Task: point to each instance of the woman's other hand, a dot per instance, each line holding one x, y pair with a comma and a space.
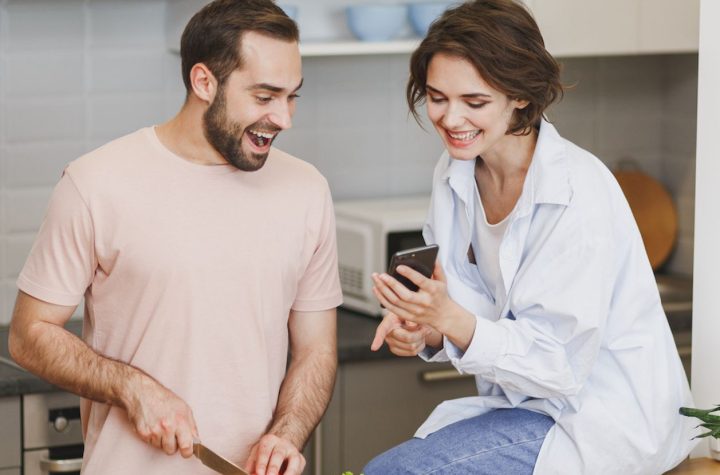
404, 338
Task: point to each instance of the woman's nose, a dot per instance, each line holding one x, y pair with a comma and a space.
453, 117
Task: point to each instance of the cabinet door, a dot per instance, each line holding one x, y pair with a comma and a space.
669, 25
10, 432
585, 28
384, 402
10, 471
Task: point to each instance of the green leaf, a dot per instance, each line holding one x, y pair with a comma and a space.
702, 414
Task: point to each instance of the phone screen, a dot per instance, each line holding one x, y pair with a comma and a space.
422, 259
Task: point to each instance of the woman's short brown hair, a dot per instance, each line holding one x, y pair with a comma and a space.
213, 35
501, 39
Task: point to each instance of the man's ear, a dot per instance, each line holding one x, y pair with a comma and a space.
203, 83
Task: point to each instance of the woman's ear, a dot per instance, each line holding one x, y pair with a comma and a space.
203, 83
520, 104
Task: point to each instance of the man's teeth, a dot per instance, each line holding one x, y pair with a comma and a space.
261, 138
265, 135
465, 135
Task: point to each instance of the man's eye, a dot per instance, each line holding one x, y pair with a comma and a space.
292, 97
263, 99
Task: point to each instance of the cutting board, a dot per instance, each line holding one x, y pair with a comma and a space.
654, 212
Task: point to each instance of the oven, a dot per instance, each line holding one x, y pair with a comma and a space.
52, 434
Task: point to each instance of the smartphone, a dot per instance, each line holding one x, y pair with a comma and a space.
422, 259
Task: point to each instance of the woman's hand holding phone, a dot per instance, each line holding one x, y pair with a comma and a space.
430, 306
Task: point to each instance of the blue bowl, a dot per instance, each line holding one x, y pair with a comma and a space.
290, 10
423, 14
376, 22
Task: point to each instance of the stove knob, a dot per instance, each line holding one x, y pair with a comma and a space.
60, 424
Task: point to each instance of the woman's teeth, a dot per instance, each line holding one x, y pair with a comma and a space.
465, 136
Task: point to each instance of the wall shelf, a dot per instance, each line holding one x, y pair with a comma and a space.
352, 48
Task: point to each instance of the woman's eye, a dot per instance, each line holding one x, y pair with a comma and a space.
436, 99
477, 105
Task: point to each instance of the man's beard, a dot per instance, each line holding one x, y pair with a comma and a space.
226, 136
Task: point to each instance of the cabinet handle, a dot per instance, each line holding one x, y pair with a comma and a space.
61, 466
317, 449
677, 307
443, 375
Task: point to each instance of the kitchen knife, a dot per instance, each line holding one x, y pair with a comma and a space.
215, 461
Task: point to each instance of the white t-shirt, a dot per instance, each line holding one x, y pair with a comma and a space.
486, 248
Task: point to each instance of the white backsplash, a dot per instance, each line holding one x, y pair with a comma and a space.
75, 74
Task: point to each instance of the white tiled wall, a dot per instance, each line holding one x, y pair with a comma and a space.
76, 73
73, 74
643, 108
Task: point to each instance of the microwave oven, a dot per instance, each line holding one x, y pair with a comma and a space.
369, 232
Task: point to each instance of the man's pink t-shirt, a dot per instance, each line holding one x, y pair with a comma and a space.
189, 272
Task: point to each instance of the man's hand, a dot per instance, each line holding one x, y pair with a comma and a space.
160, 417
39, 343
273, 455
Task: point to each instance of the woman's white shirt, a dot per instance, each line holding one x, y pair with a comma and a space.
578, 331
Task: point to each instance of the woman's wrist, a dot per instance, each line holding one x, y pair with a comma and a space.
458, 326
433, 339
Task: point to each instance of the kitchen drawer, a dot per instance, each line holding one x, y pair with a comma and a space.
379, 404
10, 471
9, 432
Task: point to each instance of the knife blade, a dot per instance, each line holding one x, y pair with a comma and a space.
216, 462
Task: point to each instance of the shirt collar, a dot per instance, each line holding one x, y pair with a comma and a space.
548, 176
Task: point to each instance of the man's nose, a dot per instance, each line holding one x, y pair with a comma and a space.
282, 115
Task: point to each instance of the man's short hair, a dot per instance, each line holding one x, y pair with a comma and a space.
213, 35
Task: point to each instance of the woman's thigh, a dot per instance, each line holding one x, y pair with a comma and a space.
503, 441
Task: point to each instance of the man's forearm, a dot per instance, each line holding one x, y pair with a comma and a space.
64, 360
304, 395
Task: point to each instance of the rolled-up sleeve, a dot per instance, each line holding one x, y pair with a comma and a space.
547, 345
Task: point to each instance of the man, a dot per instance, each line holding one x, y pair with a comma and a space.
203, 255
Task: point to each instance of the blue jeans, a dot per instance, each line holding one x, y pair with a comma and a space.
503, 441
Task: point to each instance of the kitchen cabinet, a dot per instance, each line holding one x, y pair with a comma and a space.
617, 27
669, 26
10, 435
378, 404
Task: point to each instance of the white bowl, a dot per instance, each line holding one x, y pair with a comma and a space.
290, 10
423, 14
373, 22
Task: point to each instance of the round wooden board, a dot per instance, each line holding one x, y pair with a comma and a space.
654, 213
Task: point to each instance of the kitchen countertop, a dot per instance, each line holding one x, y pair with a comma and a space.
355, 332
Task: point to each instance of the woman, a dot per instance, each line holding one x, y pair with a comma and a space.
543, 289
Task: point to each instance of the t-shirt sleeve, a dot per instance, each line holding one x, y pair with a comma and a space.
319, 287
62, 261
